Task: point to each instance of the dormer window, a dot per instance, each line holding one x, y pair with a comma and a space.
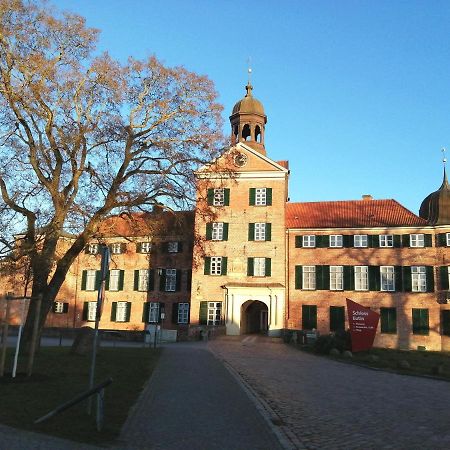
92, 249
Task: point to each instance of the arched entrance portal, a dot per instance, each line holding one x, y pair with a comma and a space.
254, 317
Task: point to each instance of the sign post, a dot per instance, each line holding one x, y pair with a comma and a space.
363, 326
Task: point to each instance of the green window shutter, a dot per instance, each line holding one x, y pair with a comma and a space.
162, 280
203, 319
207, 270
210, 197
347, 241
224, 265
175, 313
209, 231
85, 310
337, 318
136, 280
397, 240
251, 231
323, 277
98, 279
268, 231
107, 280
251, 196
86, 250
139, 247
123, 247
54, 307
430, 278
128, 312
443, 272
145, 312
225, 231
309, 317
269, 196
319, 277
388, 320
299, 241
268, 267
405, 240
298, 277
407, 279
349, 278
83, 280
373, 240
151, 280
226, 197
441, 240
180, 247
65, 307
121, 278
420, 323
374, 278
162, 309
189, 280
178, 280
113, 311
250, 267
446, 322
399, 279
427, 240
322, 241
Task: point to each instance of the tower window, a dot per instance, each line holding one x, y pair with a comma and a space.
257, 133
246, 135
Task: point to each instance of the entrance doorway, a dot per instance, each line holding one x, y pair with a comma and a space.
254, 317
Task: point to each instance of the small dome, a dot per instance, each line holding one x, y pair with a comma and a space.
436, 206
249, 104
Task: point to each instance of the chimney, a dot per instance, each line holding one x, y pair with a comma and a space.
367, 197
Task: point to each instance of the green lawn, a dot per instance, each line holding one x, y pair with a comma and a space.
59, 376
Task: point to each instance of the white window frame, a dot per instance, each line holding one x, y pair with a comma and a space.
59, 307
309, 240
121, 311
418, 279
171, 280
172, 247
91, 275
336, 241
215, 265
114, 277
214, 313
153, 312
260, 231
387, 278
417, 240
447, 239
219, 197
116, 248
143, 280
146, 247
217, 231
386, 240
309, 278
183, 313
91, 311
259, 267
361, 278
360, 240
93, 249
336, 278
260, 196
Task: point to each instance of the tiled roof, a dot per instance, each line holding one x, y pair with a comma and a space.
284, 164
350, 214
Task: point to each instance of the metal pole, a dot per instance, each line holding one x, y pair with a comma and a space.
5, 339
34, 336
16, 355
101, 290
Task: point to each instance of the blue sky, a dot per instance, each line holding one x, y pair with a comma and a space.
357, 93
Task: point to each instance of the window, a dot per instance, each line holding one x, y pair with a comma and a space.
217, 231
122, 312
336, 240
360, 240
387, 278
216, 265
337, 318
153, 312
447, 239
90, 280
361, 278
92, 249
309, 317
260, 231
116, 248
446, 322
416, 240
114, 280
260, 196
419, 278
309, 277
388, 318
144, 247
387, 240
60, 307
219, 197
91, 311
183, 313
173, 247
214, 313
171, 280
420, 323
336, 278
143, 280
309, 240
259, 267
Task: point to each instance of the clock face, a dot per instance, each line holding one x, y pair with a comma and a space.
240, 160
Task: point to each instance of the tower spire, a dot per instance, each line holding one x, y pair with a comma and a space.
444, 162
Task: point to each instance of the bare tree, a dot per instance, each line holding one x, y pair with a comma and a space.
85, 136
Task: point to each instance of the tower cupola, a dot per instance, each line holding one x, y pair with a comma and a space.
436, 206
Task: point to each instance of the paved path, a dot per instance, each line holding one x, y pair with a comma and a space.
193, 402
331, 405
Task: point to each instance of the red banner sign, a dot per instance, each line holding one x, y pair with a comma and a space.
363, 326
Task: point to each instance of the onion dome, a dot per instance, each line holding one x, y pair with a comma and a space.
249, 104
436, 207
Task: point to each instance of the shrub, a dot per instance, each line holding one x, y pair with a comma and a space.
339, 339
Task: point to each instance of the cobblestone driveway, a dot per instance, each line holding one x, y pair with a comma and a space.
330, 405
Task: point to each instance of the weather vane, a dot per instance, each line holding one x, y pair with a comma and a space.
249, 70
444, 159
